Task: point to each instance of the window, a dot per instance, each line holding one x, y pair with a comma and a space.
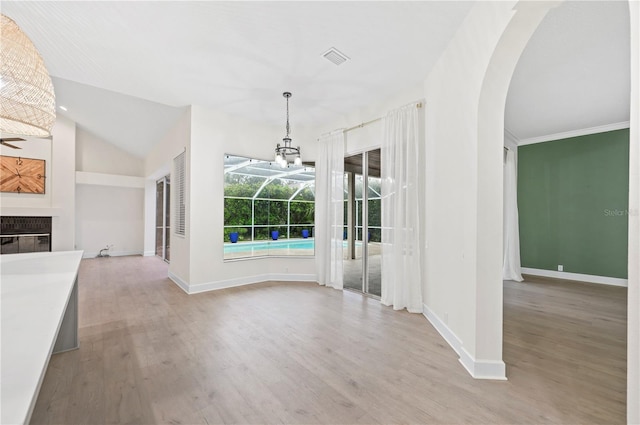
268, 210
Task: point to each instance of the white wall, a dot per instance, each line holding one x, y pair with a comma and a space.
369, 137
633, 295
63, 194
95, 155
490, 172
159, 163
178, 138
109, 198
108, 215
465, 97
453, 89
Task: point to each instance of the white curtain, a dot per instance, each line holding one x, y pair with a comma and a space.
511, 233
401, 277
329, 209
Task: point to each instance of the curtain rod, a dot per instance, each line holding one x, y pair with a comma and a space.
418, 105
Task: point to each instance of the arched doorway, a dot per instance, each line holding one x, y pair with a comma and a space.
499, 72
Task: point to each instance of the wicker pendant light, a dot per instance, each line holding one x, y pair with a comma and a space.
27, 99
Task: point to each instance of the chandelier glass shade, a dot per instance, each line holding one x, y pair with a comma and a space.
27, 98
285, 149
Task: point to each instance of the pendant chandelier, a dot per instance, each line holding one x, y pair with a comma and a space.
287, 150
27, 99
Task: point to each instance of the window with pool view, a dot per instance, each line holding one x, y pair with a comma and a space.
268, 209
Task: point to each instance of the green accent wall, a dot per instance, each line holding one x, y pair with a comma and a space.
573, 200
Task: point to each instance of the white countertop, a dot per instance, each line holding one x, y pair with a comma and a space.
35, 289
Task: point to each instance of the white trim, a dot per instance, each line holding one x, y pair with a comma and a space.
229, 283
603, 280
466, 361
30, 212
483, 369
479, 369
101, 179
278, 277
179, 282
444, 330
511, 138
360, 150
254, 257
149, 254
574, 133
245, 280
94, 254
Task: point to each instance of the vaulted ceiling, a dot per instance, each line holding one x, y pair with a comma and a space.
125, 70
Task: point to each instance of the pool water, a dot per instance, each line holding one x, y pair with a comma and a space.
305, 244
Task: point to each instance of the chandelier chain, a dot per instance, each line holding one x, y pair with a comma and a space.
288, 117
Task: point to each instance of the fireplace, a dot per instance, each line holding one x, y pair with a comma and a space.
25, 234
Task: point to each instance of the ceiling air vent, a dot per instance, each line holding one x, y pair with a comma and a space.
334, 56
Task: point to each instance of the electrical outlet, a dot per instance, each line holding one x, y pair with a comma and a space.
560, 268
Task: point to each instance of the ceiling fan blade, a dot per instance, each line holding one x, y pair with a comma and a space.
2, 142
12, 139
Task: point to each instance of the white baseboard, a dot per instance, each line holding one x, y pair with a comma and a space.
444, 330
149, 254
603, 280
94, 254
483, 369
246, 280
479, 369
223, 284
281, 277
179, 282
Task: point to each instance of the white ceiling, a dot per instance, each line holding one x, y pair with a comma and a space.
125, 69
574, 73
131, 123
234, 56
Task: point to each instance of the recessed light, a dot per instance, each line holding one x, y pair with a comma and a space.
64, 108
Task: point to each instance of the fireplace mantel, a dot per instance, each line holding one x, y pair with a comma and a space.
30, 212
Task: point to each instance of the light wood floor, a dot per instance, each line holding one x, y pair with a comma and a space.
301, 353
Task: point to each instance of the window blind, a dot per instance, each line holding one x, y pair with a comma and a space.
179, 182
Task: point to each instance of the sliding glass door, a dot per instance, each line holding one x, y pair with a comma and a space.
163, 202
353, 261
362, 232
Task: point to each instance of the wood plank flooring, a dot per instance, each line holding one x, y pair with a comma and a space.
300, 353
